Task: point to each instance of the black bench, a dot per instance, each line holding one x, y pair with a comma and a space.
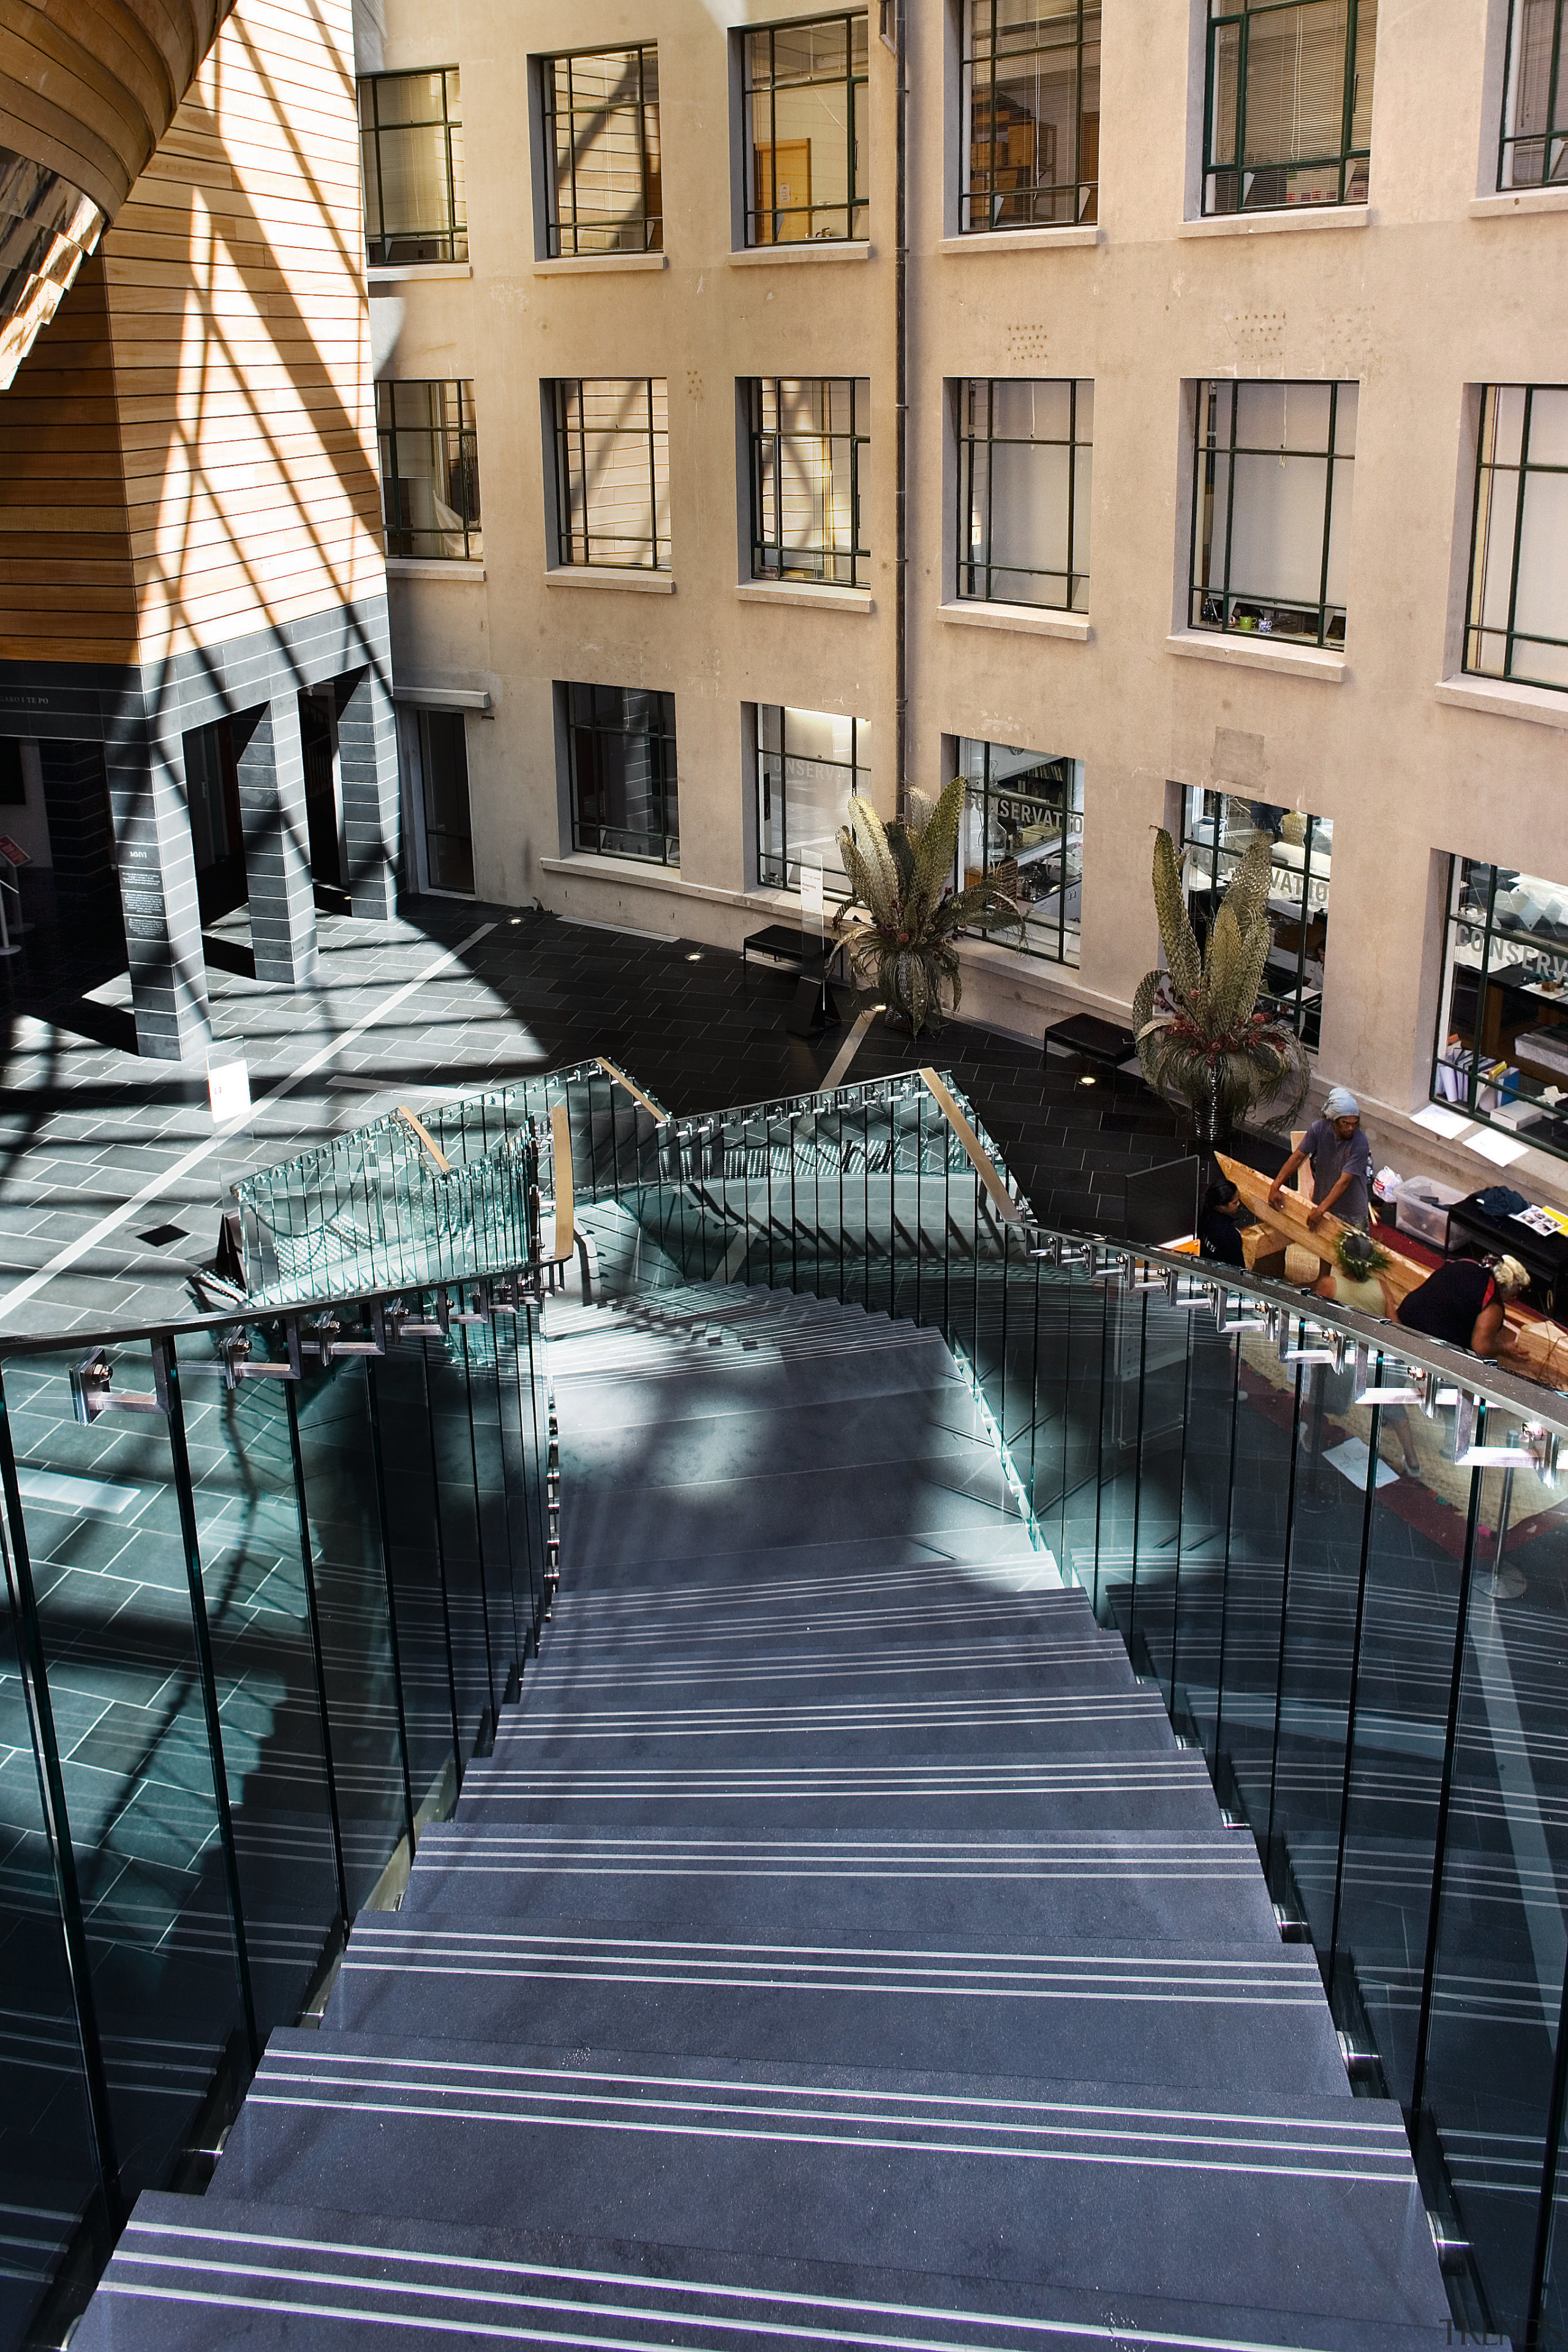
816, 1005
1091, 1039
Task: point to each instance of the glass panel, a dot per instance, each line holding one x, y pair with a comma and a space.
806, 130
623, 771
478, 1685
1240, 1735
1535, 106
418, 1577
429, 469
607, 187
114, 1610
612, 437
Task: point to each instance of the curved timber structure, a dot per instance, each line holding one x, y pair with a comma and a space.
89, 88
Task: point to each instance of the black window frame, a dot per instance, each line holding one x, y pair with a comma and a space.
856, 207
771, 559
1353, 163
1209, 865
1064, 794
566, 537
1077, 578
466, 473
1256, 613
590, 835
1487, 468
651, 220
774, 874
1476, 1071
454, 238
1077, 190
1554, 133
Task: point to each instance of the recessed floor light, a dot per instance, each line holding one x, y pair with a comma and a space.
695, 957
1085, 1080
515, 921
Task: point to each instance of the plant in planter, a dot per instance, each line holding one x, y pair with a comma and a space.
902, 918
1201, 1036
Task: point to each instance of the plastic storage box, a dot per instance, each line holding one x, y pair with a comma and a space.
1422, 1206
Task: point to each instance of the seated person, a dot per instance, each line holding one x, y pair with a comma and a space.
1219, 1236
1463, 1302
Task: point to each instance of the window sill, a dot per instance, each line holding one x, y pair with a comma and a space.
605, 576
422, 567
1497, 697
594, 265
1243, 652
1023, 619
1291, 216
1020, 240
399, 273
764, 256
798, 592
1510, 201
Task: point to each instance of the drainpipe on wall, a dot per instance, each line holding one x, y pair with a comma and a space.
897, 39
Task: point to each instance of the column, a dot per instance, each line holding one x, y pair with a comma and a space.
82, 831
157, 871
367, 768
272, 768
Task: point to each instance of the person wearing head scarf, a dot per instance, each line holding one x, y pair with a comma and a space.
1342, 1163
1463, 1302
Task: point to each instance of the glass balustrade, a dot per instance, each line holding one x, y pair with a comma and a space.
262, 1606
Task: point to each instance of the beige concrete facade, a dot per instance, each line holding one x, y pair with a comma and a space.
1426, 293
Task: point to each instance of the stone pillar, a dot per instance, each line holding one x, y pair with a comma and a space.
272, 768
367, 766
157, 872
81, 830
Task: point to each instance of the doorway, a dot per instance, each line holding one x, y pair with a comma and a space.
324, 800
217, 836
446, 831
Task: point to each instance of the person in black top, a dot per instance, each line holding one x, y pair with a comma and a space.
1219, 1236
1463, 1302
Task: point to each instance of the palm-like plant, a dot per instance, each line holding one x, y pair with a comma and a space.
1200, 1033
903, 917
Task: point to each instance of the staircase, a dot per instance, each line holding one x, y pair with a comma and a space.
836, 1947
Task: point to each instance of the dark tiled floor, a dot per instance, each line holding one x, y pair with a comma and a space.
85, 1126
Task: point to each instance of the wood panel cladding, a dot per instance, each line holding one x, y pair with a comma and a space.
87, 87
211, 372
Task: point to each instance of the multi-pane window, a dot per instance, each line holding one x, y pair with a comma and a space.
429, 468
1517, 625
1502, 1050
808, 763
1217, 829
1025, 451
612, 471
805, 131
1023, 830
411, 151
807, 436
601, 126
1030, 137
1288, 117
1271, 507
621, 749
1534, 147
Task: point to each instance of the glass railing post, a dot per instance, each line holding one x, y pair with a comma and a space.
394, 1639
1556, 2114
318, 1659
1291, 1487
452, 1692
164, 1356
57, 1820
1224, 1566
1368, 1507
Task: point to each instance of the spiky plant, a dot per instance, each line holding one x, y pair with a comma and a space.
902, 918
1200, 1033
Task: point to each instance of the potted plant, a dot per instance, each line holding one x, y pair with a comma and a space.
903, 915
1200, 1033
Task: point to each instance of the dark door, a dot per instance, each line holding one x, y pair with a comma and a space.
318, 741
212, 795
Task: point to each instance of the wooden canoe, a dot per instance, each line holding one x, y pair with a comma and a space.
1533, 1346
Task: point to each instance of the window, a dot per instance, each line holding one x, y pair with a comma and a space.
606, 191
1502, 1030
808, 763
1271, 509
805, 131
1288, 117
411, 149
1024, 491
1023, 827
612, 472
1517, 625
621, 746
1534, 149
1030, 142
807, 433
1217, 828
429, 469
443, 802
